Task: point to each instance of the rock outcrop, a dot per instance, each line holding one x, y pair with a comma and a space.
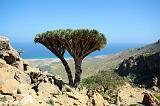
10, 55
144, 68
21, 85
150, 100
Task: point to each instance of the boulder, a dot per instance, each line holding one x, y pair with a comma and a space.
154, 88
48, 89
4, 43
2, 63
26, 89
28, 100
95, 99
10, 55
10, 86
99, 100
149, 99
22, 77
6, 73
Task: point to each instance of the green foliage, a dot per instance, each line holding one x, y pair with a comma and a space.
105, 79
158, 97
3, 98
79, 43
69, 34
51, 102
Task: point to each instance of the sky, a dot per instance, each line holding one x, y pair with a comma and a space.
122, 21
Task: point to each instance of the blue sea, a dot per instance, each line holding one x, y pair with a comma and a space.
38, 51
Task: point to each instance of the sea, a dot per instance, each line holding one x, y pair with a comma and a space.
38, 51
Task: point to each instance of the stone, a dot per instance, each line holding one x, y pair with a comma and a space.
26, 89
47, 88
154, 88
99, 100
9, 98
154, 81
4, 43
28, 100
6, 73
22, 77
149, 99
25, 65
95, 99
67, 88
2, 63
10, 86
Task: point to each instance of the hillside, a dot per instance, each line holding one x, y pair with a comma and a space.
92, 66
23, 85
103, 72
116, 61
138, 66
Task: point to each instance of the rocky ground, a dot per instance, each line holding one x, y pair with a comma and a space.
131, 95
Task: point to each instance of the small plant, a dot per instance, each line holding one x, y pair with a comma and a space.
135, 105
3, 99
51, 102
158, 97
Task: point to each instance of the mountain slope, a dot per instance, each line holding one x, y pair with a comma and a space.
92, 66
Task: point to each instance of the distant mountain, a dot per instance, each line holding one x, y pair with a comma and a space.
146, 50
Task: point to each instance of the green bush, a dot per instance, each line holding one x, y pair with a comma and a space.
51, 102
105, 79
158, 97
3, 98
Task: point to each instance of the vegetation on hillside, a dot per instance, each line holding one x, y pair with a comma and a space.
105, 80
144, 62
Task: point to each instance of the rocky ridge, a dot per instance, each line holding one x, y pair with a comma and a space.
143, 67
21, 85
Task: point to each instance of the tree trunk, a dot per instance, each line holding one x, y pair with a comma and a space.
68, 70
78, 72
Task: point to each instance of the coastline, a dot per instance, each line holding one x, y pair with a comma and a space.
47, 59
54, 60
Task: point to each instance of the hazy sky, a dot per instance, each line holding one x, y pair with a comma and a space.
122, 21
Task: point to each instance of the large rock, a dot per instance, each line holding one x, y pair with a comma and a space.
47, 89
10, 86
28, 100
4, 43
9, 54
150, 100
99, 100
25, 88
6, 72
95, 99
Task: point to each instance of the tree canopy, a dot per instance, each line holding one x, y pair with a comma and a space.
79, 42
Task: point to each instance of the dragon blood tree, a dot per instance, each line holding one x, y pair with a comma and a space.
79, 43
